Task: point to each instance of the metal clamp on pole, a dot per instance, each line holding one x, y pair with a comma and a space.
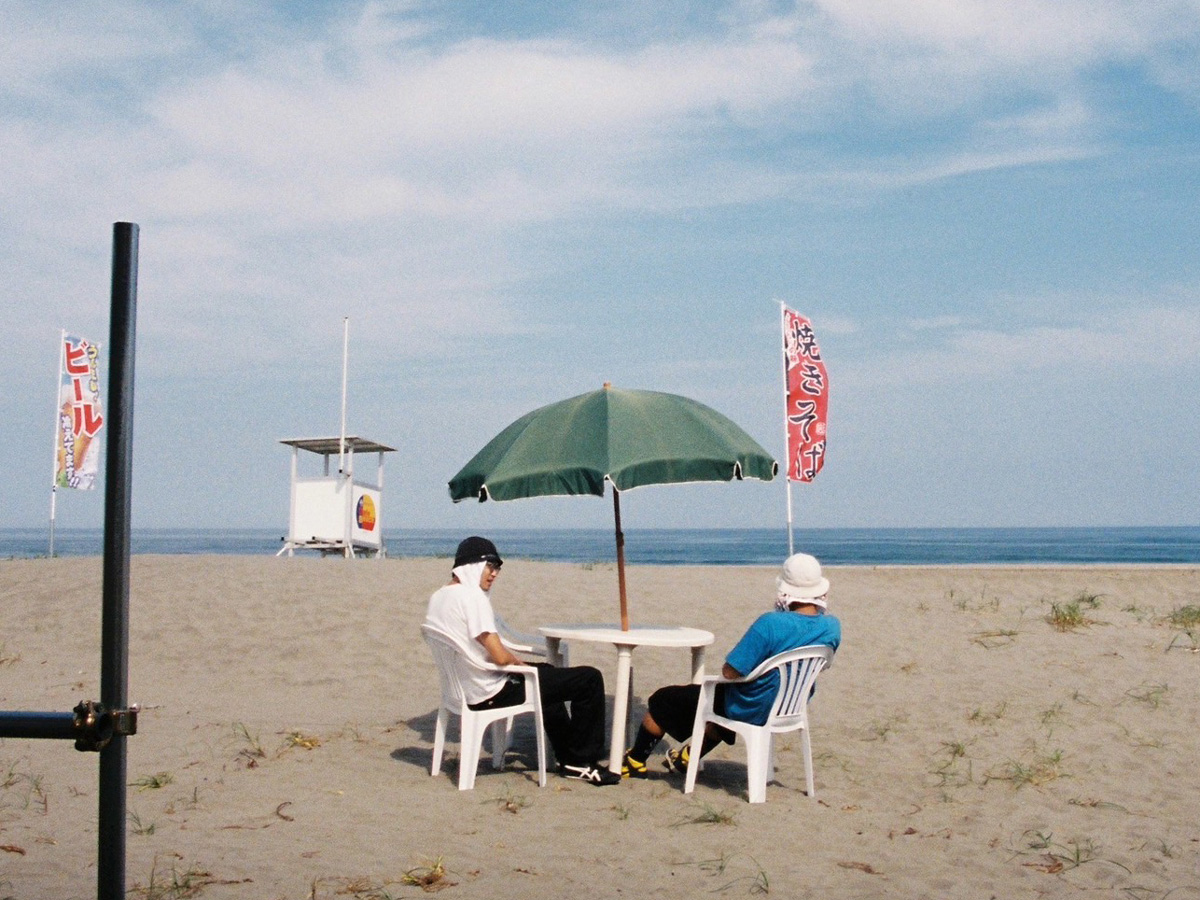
95, 725
125, 720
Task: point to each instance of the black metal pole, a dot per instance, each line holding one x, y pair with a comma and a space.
38, 725
114, 629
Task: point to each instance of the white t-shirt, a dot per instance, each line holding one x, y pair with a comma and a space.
466, 612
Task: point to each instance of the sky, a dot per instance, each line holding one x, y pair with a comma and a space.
989, 210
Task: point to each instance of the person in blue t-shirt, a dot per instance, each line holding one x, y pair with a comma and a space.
799, 619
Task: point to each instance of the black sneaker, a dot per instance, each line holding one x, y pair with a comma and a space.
676, 761
593, 774
633, 768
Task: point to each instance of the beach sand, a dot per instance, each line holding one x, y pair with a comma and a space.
964, 746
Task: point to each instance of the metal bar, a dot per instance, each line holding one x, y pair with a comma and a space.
50, 725
114, 629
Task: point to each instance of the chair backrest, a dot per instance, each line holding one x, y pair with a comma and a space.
798, 670
447, 655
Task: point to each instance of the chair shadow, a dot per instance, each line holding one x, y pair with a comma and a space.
523, 750
730, 776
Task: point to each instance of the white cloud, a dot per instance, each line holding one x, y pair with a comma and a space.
1141, 338
1010, 31
376, 115
517, 129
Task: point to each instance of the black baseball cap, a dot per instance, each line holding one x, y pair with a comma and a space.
477, 549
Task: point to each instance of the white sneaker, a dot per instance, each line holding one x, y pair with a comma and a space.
593, 774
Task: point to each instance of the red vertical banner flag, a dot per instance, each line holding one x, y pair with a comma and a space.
807, 397
76, 448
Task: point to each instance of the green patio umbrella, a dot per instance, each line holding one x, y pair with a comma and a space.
627, 438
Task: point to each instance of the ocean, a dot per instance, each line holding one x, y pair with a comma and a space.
677, 547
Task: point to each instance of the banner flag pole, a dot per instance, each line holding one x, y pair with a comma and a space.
805, 401
787, 440
62, 338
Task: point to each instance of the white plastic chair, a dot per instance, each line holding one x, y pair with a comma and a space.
798, 670
448, 653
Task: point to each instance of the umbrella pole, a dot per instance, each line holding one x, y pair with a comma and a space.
621, 559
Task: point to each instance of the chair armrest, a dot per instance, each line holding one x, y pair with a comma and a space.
524, 670
721, 679
518, 648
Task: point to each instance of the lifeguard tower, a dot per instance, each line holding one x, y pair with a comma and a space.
336, 512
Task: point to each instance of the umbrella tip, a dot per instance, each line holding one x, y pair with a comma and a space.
608, 385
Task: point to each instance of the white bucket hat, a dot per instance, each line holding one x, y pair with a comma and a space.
801, 580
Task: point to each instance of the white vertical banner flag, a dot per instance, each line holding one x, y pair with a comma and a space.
79, 413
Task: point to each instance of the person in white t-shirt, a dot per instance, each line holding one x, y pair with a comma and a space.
463, 609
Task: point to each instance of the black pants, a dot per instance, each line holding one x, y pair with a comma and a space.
577, 736
674, 709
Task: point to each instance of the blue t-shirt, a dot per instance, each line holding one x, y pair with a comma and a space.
772, 633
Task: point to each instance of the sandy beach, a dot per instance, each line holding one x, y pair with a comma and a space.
965, 745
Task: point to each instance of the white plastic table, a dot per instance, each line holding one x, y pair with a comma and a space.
695, 639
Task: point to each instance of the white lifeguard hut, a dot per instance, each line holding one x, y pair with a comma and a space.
336, 512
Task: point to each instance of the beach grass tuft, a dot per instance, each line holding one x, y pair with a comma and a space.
1187, 620
358, 889
1043, 768
428, 878
1052, 715
1191, 637
980, 716
510, 801
707, 814
880, 729
1150, 743
137, 826
757, 880
152, 782
962, 603
990, 640
176, 885
1184, 616
298, 739
250, 754
1097, 804
27, 785
947, 769
1054, 857
1071, 615
1150, 694
1066, 617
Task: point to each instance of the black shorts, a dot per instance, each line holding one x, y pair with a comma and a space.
674, 709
